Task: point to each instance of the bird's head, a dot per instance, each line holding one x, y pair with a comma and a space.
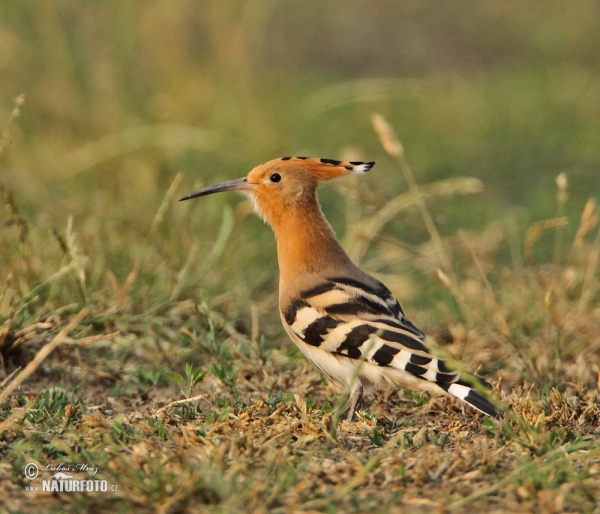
282, 184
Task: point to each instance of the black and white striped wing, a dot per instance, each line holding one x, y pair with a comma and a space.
353, 320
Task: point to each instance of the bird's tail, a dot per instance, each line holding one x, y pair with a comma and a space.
471, 390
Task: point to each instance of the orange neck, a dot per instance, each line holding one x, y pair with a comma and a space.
306, 243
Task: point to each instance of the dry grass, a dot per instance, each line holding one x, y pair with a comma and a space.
262, 431
129, 104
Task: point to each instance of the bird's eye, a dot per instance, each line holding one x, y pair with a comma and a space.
276, 177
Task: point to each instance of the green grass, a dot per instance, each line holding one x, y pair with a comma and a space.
177, 382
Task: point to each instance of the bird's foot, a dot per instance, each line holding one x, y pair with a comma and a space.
354, 399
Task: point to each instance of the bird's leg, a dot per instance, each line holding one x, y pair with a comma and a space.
355, 397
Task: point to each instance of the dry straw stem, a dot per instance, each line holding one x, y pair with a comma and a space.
474, 318
369, 229
514, 242
16, 112
71, 251
460, 300
176, 137
589, 219
536, 230
214, 254
255, 325
178, 402
9, 377
561, 197
588, 281
181, 276
392, 146
87, 341
363, 90
222, 238
16, 218
64, 270
42, 354
124, 291
163, 207
498, 316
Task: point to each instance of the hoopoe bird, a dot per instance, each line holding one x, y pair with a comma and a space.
347, 323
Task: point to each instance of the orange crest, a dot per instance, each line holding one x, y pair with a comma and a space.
321, 169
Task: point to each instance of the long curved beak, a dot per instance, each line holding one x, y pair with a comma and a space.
239, 184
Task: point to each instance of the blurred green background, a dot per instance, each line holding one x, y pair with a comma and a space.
121, 96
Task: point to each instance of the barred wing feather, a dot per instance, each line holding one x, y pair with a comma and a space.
355, 320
